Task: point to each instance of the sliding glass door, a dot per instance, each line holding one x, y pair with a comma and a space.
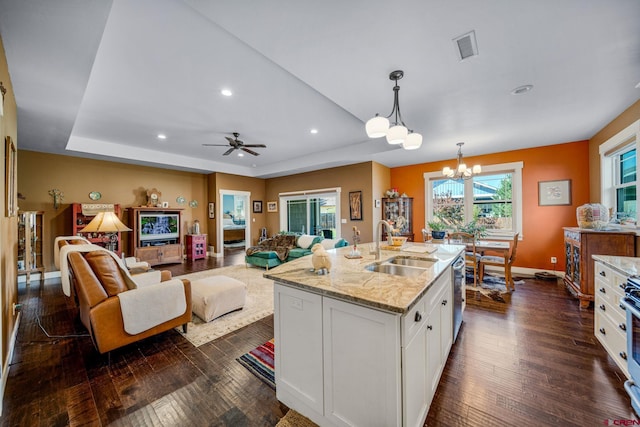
311, 214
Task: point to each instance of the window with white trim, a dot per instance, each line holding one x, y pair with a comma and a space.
618, 172
493, 199
311, 213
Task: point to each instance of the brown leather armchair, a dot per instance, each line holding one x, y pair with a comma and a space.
98, 279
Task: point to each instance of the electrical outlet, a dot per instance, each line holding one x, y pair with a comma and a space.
554, 260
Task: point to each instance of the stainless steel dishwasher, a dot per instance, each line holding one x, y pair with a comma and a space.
458, 294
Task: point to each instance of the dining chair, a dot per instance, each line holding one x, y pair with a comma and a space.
471, 257
505, 262
425, 235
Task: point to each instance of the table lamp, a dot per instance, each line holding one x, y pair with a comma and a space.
107, 223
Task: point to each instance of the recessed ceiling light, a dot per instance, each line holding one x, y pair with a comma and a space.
226, 92
314, 131
521, 89
162, 136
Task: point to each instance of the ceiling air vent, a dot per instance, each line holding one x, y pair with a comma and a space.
466, 45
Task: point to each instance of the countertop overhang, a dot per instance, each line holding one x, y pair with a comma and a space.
350, 281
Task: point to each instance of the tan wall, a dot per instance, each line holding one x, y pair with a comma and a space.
627, 117
358, 177
256, 186
8, 225
117, 182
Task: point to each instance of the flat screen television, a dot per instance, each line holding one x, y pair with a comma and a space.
156, 226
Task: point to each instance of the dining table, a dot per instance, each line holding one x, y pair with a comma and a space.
499, 246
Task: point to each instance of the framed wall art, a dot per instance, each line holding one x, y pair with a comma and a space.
355, 205
272, 206
554, 193
257, 206
11, 207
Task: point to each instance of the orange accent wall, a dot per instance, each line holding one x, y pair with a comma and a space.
542, 235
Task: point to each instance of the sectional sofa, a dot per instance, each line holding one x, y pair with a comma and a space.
285, 247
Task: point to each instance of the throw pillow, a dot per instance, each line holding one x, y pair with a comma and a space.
306, 240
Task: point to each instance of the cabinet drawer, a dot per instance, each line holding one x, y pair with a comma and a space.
413, 321
608, 277
615, 314
613, 340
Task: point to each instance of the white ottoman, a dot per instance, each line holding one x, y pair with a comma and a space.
217, 295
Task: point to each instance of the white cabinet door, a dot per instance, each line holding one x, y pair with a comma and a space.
434, 351
414, 379
362, 365
298, 348
446, 323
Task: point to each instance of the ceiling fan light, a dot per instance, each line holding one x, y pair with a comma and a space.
413, 141
397, 134
377, 127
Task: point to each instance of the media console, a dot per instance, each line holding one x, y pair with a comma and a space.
156, 235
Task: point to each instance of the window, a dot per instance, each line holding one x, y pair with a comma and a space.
493, 199
618, 173
311, 213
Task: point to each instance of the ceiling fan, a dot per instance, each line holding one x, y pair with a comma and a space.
236, 144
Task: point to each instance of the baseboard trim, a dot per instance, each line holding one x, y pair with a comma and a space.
7, 365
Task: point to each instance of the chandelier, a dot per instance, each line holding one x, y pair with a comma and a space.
398, 133
462, 171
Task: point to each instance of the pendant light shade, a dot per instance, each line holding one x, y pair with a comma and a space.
397, 134
413, 141
395, 131
377, 127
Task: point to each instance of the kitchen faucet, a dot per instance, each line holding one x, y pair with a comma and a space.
379, 236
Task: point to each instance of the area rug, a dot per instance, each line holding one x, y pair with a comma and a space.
294, 419
259, 304
492, 289
260, 362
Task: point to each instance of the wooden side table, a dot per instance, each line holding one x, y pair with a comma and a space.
196, 246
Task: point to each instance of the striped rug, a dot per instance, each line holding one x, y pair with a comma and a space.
259, 362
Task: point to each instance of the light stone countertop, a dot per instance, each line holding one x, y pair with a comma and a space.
629, 266
349, 281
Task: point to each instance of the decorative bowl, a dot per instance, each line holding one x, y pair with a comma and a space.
398, 240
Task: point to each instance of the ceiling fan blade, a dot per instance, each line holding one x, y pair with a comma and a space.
216, 145
229, 151
231, 140
256, 145
249, 151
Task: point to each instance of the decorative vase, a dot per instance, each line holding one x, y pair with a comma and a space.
592, 215
438, 235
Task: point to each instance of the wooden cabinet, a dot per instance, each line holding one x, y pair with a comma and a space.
324, 367
579, 246
399, 212
156, 235
83, 213
30, 250
196, 246
610, 319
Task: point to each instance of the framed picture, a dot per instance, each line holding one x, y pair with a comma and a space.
11, 207
257, 206
212, 210
554, 193
165, 204
272, 206
355, 205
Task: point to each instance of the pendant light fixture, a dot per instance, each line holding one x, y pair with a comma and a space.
396, 131
461, 171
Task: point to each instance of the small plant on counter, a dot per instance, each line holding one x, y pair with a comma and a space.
437, 226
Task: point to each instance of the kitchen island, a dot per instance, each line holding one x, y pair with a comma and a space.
363, 348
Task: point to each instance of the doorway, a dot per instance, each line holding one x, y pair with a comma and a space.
234, 222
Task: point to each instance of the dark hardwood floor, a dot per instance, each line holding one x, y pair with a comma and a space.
537, 364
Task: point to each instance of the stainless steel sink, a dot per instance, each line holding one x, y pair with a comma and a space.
395, 269
413, 261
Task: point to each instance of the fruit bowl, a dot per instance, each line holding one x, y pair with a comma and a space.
398, 240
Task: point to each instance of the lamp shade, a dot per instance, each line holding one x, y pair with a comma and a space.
377, 127
477, 169
413, 141
397, 134
105, 222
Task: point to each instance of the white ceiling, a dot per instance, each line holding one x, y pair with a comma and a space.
101, 79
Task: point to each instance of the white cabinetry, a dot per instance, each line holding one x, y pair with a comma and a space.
343, 364
609, 320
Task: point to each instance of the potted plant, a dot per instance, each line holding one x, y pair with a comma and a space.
438, 229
